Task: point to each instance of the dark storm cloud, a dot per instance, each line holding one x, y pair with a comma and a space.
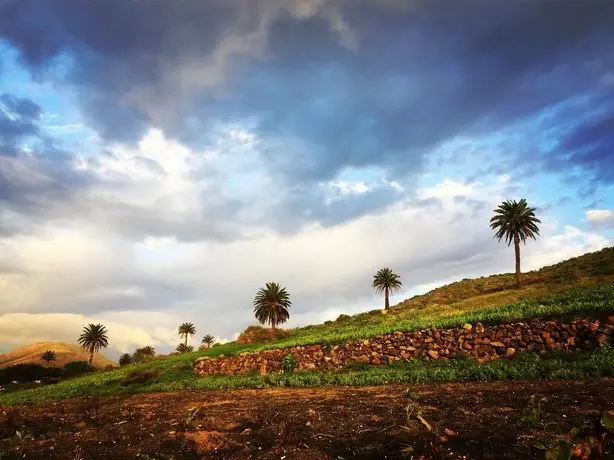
351, 84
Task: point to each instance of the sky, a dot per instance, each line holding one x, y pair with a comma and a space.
160, 161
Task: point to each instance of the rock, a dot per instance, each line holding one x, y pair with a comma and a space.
510, 352
497, 344
433, 354
467, 327
467, 346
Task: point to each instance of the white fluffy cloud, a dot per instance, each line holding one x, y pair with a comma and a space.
600, 218
79, 270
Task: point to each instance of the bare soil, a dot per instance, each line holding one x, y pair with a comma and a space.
468, 420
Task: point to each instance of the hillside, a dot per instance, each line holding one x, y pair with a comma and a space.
65, 353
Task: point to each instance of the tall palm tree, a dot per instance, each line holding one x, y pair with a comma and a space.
48, 356
185, 330
515, 221
208, 340
271, 304
93, 338
385, 281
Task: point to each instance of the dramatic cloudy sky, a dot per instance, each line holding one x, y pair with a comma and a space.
161, 160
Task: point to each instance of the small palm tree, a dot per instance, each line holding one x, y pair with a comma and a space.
515, 221
385, 281
143, 352
185, 330
48, 356
271, 304
125, 359
93, 338
208, 340
183, 348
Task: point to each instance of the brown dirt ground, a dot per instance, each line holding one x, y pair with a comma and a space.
486, 419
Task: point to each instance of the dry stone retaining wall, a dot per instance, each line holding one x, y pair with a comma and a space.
477, 341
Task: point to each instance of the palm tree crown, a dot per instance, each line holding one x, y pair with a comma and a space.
515, 221
208, 340
385, 281
125, 359
48, 356
93, 338
185, 330
271, 304
515, 218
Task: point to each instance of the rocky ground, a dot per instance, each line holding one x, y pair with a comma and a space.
461, 420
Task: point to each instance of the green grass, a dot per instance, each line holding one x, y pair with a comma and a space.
527, 366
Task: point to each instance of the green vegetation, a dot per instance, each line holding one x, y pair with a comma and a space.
183, 348
125, 359
48, 356
185, 330
583, 285
172, 374
93, 338
143, 354
271, 305
385, 281
515, 221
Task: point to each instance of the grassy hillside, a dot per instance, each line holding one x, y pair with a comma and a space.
581, 285
64, 352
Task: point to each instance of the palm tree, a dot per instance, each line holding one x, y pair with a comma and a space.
125, 359
93, 338
515, 221
48, 356
385, 281
183, 348
271, 304
208, 340
186, 329
143, 352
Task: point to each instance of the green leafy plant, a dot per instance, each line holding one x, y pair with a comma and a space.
288, 363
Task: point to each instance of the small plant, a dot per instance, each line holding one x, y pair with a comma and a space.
532, 414
288, 363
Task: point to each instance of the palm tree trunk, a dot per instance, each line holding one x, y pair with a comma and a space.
273, 324
91, 357
186, 340
517, 253
387, 304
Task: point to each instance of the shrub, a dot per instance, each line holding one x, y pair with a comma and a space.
259, 334
76, 368
342, 318
183, 348
143, 354
125, 359
141, 376
27, 373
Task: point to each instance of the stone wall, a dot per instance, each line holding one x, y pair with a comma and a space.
477, 341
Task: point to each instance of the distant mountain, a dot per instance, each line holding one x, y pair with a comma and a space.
64, 352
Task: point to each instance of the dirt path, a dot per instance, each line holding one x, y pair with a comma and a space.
485, 420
